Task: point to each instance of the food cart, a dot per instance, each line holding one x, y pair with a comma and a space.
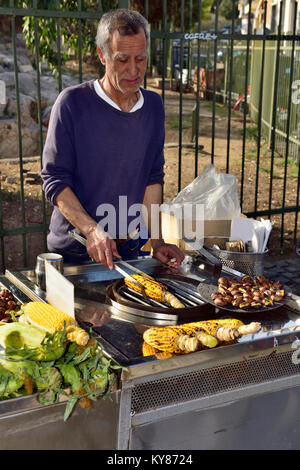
239, 396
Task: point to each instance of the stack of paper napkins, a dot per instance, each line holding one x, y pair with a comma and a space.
255, 231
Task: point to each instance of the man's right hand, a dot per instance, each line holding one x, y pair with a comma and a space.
101, 247
99, 244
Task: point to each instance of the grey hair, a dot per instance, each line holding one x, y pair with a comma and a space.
127, 22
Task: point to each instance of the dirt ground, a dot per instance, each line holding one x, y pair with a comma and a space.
227, 155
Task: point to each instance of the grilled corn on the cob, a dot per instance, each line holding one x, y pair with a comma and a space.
151, 351
173, 340
162, 339
154, 290
148, 350
210, 326
226, 329
192, 336
50, 319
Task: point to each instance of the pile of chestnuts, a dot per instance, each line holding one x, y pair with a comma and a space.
248, 293
7, 304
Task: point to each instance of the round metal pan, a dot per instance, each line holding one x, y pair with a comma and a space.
135, 309
203, 310
206, 289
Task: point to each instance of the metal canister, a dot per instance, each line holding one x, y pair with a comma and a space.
55, 259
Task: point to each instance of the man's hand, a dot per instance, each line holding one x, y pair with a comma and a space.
165, 252
101, 247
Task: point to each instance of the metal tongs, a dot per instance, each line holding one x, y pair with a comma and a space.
124, 273
213, 260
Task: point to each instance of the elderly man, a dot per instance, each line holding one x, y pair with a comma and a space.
105, 142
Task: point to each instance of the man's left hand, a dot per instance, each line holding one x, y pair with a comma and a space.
165, 252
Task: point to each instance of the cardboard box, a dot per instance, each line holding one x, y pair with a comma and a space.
211, 231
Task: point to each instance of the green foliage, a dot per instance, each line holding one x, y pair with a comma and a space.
55, 368
9, 383
88, 372
44, 31
31, 343
228, 7
48, 379
175, 125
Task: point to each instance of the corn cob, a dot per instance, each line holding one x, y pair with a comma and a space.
163, 355
151, 351
148, 350
154, 290
50, 318
192, 336
162, 339
227, 329
213, 324
185, 329
172, 340
209, 326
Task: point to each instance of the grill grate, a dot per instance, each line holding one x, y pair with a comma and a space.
203, 383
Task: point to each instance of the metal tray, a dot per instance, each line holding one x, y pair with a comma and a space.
207, 288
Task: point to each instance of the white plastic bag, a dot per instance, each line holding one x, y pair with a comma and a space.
218, 193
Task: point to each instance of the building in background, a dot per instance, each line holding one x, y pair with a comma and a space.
272, 16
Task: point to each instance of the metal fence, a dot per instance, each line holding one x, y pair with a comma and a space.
287, 67
251, 87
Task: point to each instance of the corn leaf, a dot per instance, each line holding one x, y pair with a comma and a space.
70, 406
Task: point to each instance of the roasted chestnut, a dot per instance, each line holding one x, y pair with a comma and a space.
220, 301
247, 292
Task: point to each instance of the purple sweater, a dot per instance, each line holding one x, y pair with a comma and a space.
100, 153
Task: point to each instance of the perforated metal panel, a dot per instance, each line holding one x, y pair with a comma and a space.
203, 383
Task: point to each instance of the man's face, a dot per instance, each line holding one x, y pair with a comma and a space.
126, 65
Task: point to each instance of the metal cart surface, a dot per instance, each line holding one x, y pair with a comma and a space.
239, 396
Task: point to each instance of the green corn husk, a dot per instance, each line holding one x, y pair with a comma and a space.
42, 378
18, 335
9, 382
48, 379
71, 376
23, 341
51, 366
